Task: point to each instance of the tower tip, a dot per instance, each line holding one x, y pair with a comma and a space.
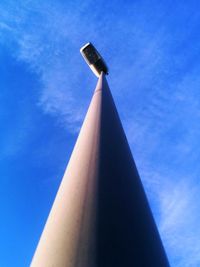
94, 59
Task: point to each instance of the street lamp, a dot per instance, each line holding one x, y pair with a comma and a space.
94, 59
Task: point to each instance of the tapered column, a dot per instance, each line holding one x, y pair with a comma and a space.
101, 216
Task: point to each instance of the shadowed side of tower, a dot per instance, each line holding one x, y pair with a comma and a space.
101, 216
126, 231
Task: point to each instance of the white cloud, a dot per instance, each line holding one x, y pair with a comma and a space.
178, 224
43, 38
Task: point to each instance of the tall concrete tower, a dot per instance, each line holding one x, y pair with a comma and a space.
101, 216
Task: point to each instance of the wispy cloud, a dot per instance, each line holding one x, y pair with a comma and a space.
43, 37
178, 224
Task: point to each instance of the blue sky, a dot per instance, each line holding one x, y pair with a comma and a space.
153, 51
